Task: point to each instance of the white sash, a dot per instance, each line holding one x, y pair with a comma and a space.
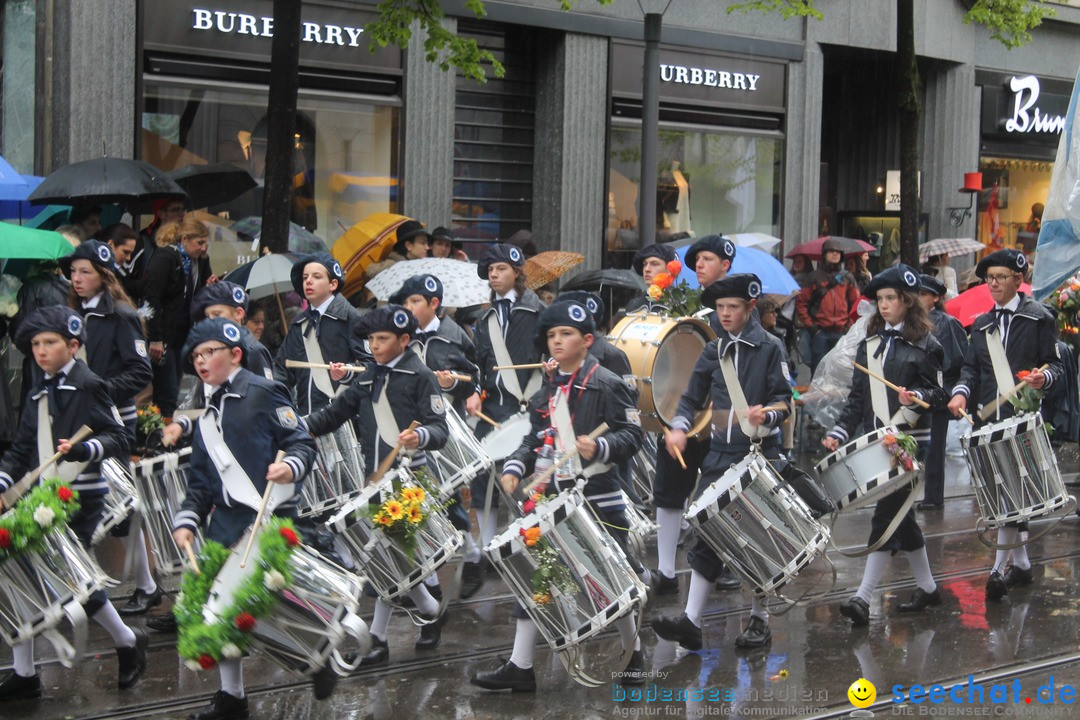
879, 399
235, 484
502, 356
1000, 363
67, 471
738, 398
319, 376
385, 421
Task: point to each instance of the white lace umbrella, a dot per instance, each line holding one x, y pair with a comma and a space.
462, 287
953, 246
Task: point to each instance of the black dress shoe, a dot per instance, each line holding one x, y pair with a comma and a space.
857, 610
132, 660
635, 673
728, 580
996, 587
223, 707
756, 634
379, 652
472, 579
141, 601
679, 630
924, 506
507, 676
1015, 576
324, 681
17, 687
921, 600
431, 634
661, 584
163, 623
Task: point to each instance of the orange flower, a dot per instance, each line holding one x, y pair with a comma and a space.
674, 267
889, 440
394, 509
655, 292
416, 515
541, 598
663, 280
1022, 374
384, 519
532, 536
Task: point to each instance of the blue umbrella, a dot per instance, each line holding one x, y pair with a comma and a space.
775, 279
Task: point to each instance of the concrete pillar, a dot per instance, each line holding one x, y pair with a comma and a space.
428, 164
571, 124
950, 128
802, 149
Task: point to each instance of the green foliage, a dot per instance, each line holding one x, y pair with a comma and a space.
1009, 21
786, 8
40, 512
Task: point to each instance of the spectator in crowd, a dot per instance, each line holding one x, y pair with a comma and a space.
87, 218
123, 240
134, 269
825, 306
856, 265
939, 267
412, 244
443, 245
72, 233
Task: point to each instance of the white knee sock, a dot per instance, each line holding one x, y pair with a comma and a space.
920, 566
667, 540
487, 522
627, 627
1020, 555
24, 659
425, 603
697, 597
343, 551
472, 550
380, 620
524, 644
1006, 536
232, 677
758, 609
876, 563
144, 579
432, 580
108, 618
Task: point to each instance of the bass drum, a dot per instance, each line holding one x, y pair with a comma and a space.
662, 352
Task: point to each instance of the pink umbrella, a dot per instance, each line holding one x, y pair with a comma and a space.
972, 303
812, 249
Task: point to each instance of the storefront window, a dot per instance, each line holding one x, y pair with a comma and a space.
709, 181
346, 150
19, 60
1015, 210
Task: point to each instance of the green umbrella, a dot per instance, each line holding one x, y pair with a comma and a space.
17, 242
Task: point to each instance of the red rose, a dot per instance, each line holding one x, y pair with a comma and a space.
206, 662
290, 537
5, 538
64, 493
528, 506
674, 267
245, 622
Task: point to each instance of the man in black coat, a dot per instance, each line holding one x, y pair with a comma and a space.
1027, 333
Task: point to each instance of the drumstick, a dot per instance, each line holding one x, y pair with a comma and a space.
389, 459
16, 491
921, 403
262, 511
992, 407
525, 366
573, 452
678, 453
459, 376
323, 366
192, 559
488, 420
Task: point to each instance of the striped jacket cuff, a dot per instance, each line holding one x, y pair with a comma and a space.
6, 481
425, 437
603, 450
839, 433
185, 425
186, 519
681, 423
515, 468
95, 448
962, 390
1049, 378
773, 418
297, 466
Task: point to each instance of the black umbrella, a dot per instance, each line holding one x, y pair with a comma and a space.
208, 185
105, 180
599, 279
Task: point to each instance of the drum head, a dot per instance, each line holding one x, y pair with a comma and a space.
504, 441
230, 578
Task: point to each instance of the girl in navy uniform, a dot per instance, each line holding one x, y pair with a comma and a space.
758, 362
254, 418
901, 335
595, 395
510, 325
445, 348
74, 396
115, 352
399, 379
1028, 334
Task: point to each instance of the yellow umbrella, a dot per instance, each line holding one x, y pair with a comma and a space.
549, 266
368, 241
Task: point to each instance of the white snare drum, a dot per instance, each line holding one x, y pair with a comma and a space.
122, 499
161, 483
337, 475
864, 471
461, 459
1014, 470
758, 525
643, 469
504, 441
602, 585
639, 528
391, 570
312, 616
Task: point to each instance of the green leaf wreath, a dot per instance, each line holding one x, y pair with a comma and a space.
45, 509
203, 645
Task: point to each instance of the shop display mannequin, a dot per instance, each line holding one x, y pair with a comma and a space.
673, 199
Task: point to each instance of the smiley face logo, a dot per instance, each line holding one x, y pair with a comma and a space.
862, 693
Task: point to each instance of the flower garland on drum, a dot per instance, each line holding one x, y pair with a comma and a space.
551, 572
148, 419
676, 294
404, 513
203, 645
903, 448
45, 509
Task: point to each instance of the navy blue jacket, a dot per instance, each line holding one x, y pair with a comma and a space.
451, 349
116, 351
953, 339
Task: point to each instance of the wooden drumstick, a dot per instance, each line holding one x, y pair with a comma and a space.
992, 407
678, 453
488, 420
321, 366
16, 491
192, 559
262, 511
458, 376
525, 366
921, 403
389, 459
571, 453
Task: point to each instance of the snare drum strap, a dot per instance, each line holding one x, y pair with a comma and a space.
319, 376
66, 471
738, 398
235, 483
879, 400
1000, 363
502, 356
384, 418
